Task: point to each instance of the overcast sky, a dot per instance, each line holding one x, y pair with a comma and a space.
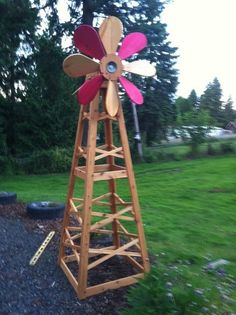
205, 33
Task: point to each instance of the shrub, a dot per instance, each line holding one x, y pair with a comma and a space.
6, 165
176, 289
151, 156
211, 150
227, 147
55, 160
193, 130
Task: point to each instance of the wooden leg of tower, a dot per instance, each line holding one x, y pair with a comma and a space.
111, 182
78, 141
88, 196
133, 189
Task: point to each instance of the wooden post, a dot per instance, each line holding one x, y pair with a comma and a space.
111, 182
75, 247
133, 189
75, 159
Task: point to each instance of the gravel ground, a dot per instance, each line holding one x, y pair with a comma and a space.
43, 288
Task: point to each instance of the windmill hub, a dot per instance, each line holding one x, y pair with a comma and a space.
111, 67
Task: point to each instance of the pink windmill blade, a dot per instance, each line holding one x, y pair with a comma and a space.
133, 92
89, 89
132, 44
87, 40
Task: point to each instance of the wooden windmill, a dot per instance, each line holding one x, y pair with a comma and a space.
91, 215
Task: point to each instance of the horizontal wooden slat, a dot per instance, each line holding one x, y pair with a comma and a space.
110, 175
103, 251
108, 215
96, 289
73, 228
99, 231
102, 172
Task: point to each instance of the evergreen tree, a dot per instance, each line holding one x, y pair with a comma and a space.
183, 105
18, 23
48, 116
211, 101
193, 99
229, 112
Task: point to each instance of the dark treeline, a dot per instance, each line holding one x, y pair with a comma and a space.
37, 110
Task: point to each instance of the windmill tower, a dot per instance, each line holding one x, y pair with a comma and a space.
92, 214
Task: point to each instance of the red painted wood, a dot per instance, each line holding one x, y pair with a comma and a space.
88, 42
133, 92
132, 43
89, 89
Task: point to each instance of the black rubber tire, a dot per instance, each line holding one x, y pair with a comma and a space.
45, 210
7, 198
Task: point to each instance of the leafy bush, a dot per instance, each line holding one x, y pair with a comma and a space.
6, 165
227, 147
55, 160
193, 128
176, 289
151, 156
211, 150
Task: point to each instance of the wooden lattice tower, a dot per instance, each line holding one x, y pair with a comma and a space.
91, 216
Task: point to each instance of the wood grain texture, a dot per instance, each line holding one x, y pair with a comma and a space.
78, 65
112, 99
110, 32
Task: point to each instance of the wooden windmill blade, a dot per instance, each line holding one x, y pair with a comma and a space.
77, 65
110, 32
107, 214
140, 67
112, 100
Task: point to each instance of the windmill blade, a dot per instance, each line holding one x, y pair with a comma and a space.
133, 92
132, 43
110, 32
141, 67
112, 98
88, 42
77, 65
89, 89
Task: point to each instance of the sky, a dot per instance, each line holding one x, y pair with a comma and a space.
204, 31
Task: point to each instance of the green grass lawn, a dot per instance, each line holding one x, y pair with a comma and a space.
188, 207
